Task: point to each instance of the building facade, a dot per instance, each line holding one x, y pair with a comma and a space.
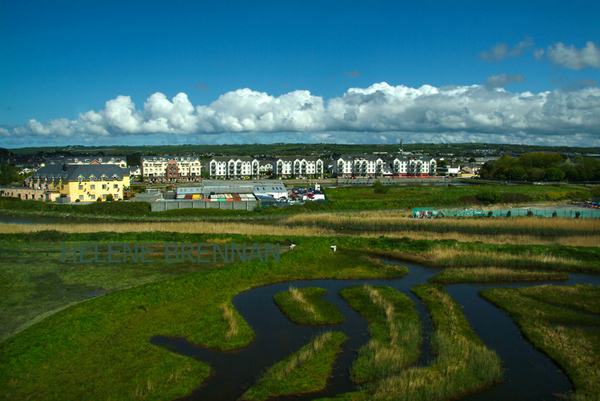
171, 168
298, 166
82, 183
233, 167
374, 166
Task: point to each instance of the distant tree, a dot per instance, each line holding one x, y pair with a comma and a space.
472, 160
517, 174
535, 174
9, 174
134, 159
554, 174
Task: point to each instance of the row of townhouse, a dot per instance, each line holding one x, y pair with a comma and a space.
223, 167
373, 166
190, 168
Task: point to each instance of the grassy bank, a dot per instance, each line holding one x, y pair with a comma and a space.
546, 316
394, 327
102, 347
463, 364
305, 306
304, 371
451, 254
493, 275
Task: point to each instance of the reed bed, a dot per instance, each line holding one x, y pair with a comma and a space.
180, 227
463, 364
396, 334
302, 372
582, 232
546, 317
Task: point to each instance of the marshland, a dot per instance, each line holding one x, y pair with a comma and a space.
129, 331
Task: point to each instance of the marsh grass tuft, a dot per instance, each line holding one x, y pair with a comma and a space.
305, 306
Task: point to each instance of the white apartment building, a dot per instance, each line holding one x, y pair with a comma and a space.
171, 168
233, 167
298, 166
375, 166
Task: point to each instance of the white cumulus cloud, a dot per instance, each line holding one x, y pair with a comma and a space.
573, 58
360, 115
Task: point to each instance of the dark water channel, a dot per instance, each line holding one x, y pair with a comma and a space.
529, 374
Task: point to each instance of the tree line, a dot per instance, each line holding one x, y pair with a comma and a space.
542, 166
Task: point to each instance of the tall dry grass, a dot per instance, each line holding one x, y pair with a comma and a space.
229, 318
517, 230
179, 227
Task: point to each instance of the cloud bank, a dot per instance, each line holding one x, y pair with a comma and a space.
377, 114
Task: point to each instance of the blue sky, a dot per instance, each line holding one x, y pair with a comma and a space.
157, 72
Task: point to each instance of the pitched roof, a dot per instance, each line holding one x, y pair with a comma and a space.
74, 172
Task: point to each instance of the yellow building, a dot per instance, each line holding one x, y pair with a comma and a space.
82, 183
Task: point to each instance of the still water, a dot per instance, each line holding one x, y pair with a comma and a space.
529, 375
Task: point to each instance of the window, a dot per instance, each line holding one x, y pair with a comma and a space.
80, 187
92, 186
103, 186
116, 186
80, 197
103, 196
93, 197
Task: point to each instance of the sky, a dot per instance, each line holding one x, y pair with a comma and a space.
176, 72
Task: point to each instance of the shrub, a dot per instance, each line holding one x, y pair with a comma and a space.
380, 188
488, 197
490, 214
508, 214
529, 213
